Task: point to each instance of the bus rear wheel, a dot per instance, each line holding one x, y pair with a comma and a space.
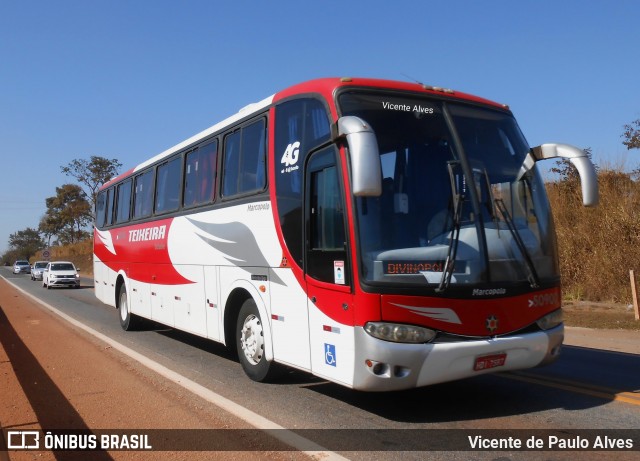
250, 343
128, 321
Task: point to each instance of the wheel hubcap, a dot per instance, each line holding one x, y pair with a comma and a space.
252, 340
123, 307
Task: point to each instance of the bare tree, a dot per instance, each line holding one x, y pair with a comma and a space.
92, 173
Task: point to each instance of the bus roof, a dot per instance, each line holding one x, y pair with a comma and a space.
327, 86
323, 86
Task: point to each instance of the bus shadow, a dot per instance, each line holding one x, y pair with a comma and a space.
283, 375
52, 409
204, 344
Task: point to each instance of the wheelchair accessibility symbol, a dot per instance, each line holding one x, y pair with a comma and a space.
330, 354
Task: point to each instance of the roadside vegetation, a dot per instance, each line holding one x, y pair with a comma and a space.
598, 246
80, 254
68, 219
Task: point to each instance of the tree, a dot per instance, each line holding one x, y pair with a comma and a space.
92, 173
632, 135
26, 243
51, 225
67, 214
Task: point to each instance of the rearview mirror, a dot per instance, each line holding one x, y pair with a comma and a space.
366, 175
586, 170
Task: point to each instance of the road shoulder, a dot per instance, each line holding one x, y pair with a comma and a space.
53, 376
627, 341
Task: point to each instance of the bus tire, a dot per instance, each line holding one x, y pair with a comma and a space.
128, 321
250, 343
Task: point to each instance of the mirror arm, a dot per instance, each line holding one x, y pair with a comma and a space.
579, 159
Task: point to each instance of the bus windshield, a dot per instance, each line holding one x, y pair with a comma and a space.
457, 205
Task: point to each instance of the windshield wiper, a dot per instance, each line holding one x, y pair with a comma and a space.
533, 274
450, 262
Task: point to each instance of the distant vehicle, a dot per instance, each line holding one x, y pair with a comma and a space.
22, 267
60, 273
37, 269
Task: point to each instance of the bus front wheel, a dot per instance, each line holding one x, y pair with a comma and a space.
250, 343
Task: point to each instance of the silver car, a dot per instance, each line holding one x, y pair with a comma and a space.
22, 267
37, 269
60, 274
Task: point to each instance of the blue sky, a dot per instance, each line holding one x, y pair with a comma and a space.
128, 79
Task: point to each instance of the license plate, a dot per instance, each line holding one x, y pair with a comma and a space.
489, 361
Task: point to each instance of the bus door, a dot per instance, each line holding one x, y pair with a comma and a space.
328, 272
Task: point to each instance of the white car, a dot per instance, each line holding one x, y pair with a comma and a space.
37, 269
22, 266
60, 274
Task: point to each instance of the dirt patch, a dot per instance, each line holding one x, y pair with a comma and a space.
600, 315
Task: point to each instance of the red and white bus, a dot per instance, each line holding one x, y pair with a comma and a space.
378, 234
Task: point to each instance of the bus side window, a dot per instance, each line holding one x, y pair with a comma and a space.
124, 202
190, 178
143, 196
301, 125
253, 157
110, 199
168, 186
231, 164
244, 161
101, 205
200, 175
207, 175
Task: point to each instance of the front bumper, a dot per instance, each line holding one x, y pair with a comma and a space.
405, 366
64, 282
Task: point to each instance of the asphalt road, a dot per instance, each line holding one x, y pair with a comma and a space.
585, 389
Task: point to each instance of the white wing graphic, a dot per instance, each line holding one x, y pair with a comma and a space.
444, 314
105, 238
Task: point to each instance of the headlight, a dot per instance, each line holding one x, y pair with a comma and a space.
52, 276
399, 333
551, 320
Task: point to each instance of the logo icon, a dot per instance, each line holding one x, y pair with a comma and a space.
23, 440
290, 157
491, 323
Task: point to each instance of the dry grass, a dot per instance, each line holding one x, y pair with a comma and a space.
598, 246
600, 315
80, 254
